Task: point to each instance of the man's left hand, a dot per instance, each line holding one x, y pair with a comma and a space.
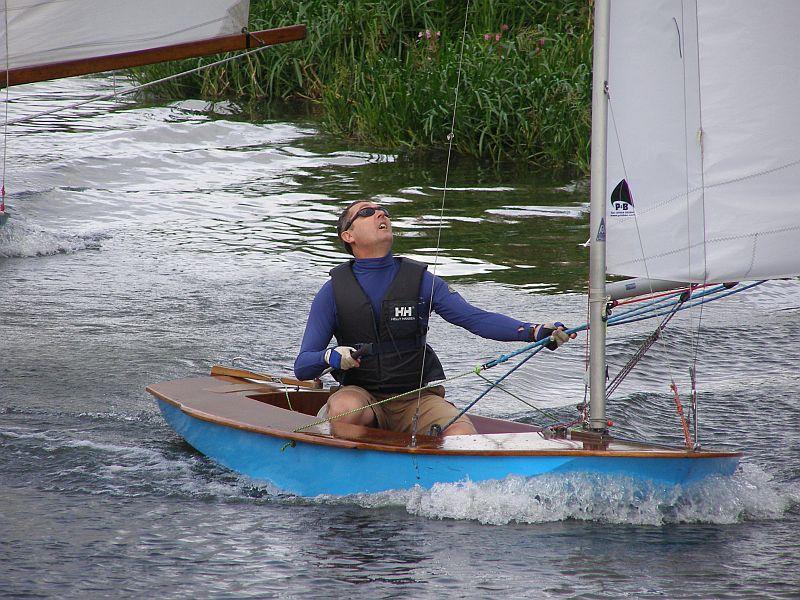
554, 331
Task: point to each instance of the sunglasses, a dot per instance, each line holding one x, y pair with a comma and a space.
367, 211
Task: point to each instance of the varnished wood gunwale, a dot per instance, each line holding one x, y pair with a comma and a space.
245, 374
398, 441
137, 58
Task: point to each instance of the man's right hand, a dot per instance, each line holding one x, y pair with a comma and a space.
341, 357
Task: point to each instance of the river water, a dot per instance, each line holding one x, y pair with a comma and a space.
148, 242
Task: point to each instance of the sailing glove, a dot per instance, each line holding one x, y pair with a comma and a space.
341, 357
554, 331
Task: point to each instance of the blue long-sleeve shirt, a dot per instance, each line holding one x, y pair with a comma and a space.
375, 275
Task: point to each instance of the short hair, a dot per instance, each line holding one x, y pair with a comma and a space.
343, 221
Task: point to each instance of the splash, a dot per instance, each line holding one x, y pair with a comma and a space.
19, 240
116, 468
749, 495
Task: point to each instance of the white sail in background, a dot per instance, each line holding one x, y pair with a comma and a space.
704, 125
47, 31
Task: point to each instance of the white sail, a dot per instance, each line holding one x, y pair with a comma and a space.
704, 126
49, 31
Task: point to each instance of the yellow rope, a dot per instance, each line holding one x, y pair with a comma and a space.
408, 393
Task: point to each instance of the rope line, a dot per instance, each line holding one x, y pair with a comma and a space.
450, 137
662, 303
5, 119
489, 389
638, 299
690, 305
502, 388
432, 384
646, 345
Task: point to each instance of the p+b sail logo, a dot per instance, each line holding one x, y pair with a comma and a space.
621, 201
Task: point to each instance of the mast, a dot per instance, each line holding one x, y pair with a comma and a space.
597, 220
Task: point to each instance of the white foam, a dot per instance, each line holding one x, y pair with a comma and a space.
123, 470
751, 494
19, 240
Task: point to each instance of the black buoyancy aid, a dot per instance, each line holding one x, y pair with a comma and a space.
398, 338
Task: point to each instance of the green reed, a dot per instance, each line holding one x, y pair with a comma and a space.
385, 72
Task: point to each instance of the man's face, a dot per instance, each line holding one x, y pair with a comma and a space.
368, 233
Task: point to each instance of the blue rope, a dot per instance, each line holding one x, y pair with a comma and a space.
625, 317
497, 381
658, 303
673, 300
533, 345
699, 299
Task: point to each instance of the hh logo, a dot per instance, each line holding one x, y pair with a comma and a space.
403, 311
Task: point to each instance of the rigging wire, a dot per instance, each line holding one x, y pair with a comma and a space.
5, 119
625, 174
695, 337
450, 137
646, 345
695, 330
696, 342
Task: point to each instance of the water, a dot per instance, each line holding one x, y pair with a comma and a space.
150, 242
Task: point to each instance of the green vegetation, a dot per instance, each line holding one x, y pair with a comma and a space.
385, 72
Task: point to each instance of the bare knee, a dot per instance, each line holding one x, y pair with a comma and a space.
351, 407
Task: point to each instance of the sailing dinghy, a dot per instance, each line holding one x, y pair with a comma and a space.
695, 165
272, 433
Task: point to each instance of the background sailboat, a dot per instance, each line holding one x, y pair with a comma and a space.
64, 38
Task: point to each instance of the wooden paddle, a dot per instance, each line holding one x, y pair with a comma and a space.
241, 373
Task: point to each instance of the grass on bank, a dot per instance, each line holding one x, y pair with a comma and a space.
385, 72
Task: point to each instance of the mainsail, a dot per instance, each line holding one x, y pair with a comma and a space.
704, 140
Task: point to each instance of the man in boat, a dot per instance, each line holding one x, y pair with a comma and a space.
377, 306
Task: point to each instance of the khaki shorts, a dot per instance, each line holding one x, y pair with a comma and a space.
398, 414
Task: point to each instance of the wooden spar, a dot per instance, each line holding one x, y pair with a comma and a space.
125, 60
243, 374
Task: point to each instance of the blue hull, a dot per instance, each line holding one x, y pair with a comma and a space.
313, 469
